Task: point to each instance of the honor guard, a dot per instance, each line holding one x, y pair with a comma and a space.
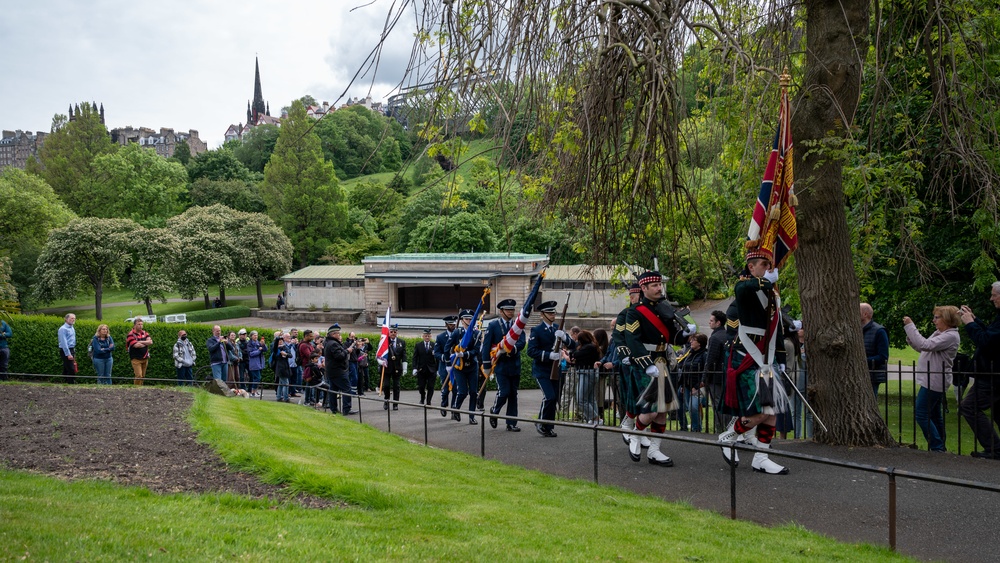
425, 367
442, 356
651, 326
393, 367
618, 339
752, 392
542, 350
466, 370
506, 367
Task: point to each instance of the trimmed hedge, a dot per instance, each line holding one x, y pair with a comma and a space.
34, 349
220, 314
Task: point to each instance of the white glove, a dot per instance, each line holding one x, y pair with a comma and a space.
689, 330
651, 370
414, 372
797, 325
626, 361
560, 334
781, 367
554, 356
771, 275
381, 362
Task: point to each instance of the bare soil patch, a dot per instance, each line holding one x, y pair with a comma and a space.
132, 436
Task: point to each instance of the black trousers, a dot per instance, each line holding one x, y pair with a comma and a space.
426, 381
69, 366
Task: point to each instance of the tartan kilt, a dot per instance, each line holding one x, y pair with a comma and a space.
754, 392
640, 391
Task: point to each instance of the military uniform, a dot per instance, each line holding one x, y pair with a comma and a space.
467, 374
393, 369
541, 346
622, 373
506, 367
442, 356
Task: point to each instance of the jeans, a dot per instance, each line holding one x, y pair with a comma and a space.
352, 376
244, 375
185, 375
282, 388
219, 371
4, 362
297, 383
586, 402
103, 368
254, 380
927, 411
691, 402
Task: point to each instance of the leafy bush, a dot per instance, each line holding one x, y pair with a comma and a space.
222, 313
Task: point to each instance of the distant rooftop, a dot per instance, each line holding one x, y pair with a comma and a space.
327, 273
448, 256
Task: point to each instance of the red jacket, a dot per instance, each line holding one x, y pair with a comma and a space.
305, 352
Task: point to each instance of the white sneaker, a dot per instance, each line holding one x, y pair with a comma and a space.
763, 464
655, 456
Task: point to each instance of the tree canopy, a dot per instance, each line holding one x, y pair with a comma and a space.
67, 156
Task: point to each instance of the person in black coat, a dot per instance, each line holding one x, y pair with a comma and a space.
466, 371
425, 367
393, 367
335, 356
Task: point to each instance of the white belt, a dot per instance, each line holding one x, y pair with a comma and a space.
652, 347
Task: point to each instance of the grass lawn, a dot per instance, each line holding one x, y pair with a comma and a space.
406, 501
115, 314
124, 295
902, 425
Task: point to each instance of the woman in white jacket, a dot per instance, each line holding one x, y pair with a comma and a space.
933, 375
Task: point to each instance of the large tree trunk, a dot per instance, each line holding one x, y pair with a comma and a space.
208, 303
149, 306
222, 294
98, 296
836, 41
260, 295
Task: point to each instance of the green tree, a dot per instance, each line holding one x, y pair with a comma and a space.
29, 210
359, 141
67, 156
88, 252
239, 195
462, 232
136, 183
150, 276
209, 251
218, 164
301, 189
182, 152
258, 144
263, 251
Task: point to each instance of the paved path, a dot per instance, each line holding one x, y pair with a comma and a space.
934, 522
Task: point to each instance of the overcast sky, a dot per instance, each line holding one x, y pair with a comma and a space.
188, 65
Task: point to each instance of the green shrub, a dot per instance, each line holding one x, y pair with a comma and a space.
34, 349
220, 314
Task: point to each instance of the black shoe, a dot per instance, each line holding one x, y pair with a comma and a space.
985, 455
513, 429
395, 407
350, 413
385, 406
550, 434
456, 416
472, 420
493, 422
539, 429
444, 413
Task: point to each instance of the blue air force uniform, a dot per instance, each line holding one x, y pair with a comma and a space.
467, 377
541, 343
507, 368
442, 355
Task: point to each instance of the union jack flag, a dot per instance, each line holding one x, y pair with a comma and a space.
383, 342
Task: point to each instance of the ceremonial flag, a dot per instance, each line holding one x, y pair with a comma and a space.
773, 226
510, 339
383, 342
456, 358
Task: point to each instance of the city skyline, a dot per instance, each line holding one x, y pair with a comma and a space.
190, 66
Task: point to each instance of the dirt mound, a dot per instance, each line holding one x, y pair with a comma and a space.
127, 435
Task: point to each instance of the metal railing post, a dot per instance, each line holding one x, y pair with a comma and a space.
892, 507
482, 437
596, 481
732, 482
425, 424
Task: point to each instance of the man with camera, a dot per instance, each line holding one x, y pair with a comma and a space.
336, 369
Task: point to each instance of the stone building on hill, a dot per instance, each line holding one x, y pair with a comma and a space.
163, 142
17, 146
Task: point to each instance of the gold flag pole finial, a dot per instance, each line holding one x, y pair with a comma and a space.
784, 78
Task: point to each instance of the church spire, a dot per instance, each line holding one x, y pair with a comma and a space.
259, 108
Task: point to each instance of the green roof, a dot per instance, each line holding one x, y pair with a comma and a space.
467, 256
327, 273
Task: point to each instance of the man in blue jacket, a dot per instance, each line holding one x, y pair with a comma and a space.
467, 362
217, 356
506, 367
442, 356
541, 349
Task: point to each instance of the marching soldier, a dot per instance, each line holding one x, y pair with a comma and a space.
651, 327
618, 339
542, 349
425, 367
506, 367
393, 367
466, 366
442, 355
752, 392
